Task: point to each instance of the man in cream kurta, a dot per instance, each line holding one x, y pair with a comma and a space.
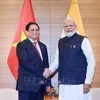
75, 62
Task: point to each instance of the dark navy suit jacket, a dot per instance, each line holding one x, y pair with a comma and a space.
31, 67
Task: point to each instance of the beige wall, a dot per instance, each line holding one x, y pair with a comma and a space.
49, 15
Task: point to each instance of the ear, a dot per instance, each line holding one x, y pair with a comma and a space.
27, 33
76, 26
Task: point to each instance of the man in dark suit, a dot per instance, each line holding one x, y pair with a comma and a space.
33, 59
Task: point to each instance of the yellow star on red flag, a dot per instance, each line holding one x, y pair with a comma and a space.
23, 36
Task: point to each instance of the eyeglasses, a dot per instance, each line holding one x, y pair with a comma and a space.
32, 30
68, 26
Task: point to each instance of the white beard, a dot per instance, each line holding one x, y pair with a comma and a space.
70, 34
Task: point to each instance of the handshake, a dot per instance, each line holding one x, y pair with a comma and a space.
46, 72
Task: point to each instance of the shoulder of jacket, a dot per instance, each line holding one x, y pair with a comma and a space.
22, 42
62, 39
41, 43
79, 35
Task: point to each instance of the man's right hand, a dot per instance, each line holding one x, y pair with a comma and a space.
46, 73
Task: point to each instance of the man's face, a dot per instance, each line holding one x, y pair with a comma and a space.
69, 27
33, 32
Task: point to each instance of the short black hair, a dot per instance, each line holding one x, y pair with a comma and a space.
31, 23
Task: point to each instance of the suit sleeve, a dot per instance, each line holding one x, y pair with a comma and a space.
26, 63
46, 63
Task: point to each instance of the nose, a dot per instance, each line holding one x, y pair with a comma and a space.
35, 31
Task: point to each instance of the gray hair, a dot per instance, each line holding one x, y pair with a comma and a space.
73, 21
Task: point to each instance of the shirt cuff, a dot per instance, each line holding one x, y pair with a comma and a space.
87, 81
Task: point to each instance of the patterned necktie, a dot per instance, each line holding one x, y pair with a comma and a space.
35, 45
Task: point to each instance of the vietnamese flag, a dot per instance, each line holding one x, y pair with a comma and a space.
26, 16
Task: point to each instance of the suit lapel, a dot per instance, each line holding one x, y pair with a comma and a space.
31, 46
32, 50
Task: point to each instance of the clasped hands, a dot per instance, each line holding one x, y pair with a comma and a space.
46, 72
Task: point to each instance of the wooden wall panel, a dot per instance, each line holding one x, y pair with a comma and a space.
90, 11
49, 15
9, 15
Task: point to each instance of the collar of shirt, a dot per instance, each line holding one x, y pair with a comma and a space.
32, 40
37, 46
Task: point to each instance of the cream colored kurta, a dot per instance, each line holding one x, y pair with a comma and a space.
73, 92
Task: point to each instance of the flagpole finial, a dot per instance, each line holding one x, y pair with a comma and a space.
74, 1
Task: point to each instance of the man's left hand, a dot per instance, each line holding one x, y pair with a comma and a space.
86, 88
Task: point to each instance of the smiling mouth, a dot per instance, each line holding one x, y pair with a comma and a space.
69, 31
